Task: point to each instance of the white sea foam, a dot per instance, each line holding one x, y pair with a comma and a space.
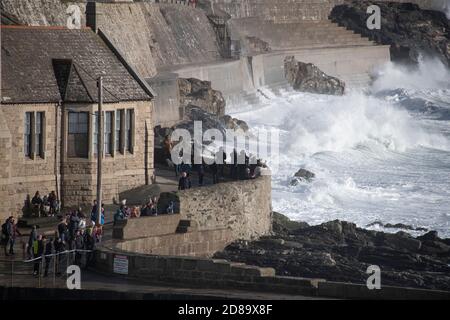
376, 157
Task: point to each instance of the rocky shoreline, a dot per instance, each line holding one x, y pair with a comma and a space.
408, 29
340, 251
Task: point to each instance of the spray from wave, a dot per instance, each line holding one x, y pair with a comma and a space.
374, 158
442, 5
430, 74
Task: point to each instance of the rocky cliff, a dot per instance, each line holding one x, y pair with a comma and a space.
407, 28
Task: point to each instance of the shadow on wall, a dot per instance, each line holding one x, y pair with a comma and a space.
169, 202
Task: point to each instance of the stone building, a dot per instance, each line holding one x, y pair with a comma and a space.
48, 127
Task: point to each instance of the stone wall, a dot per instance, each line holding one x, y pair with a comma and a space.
5, 167
21, 177
73, 179
245, 207
121, 172
146, 227
194, 244
279, 11
41, 12
203, 272
215, 273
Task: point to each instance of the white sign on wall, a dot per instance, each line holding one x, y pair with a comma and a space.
120, 264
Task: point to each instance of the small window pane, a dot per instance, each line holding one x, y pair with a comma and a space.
27, 134
118, 136
77, 140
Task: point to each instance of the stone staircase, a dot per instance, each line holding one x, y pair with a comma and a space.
295, 35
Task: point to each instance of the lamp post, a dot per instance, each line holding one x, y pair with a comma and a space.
99, 150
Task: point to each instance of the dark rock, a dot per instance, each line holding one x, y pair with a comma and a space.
283, 225
307, 77
302, 175
340, 251
233, 123
195, 92
402, 241
408, 29
430, 236
396, 226
435, 247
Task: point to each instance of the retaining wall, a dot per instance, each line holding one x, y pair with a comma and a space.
245, 207
279, 11
191, 244
210, 273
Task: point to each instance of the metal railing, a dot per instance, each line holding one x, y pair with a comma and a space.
33, 271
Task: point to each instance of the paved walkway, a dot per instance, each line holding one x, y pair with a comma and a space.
14, 272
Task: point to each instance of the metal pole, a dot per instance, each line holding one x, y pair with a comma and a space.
99, 150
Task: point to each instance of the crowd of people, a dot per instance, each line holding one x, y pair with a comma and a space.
239, 166
148, 209
75, 232
48, 205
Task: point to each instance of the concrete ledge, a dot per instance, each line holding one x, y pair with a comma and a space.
194, 243
146, 227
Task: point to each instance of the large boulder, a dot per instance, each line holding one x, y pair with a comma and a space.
307, 77
407, 28
199, 93
209, 121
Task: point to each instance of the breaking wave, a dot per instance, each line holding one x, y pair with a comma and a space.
382, 155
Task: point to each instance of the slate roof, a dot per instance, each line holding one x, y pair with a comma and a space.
50, 64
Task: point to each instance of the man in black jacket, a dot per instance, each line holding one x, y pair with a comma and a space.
184, 182
38, 250
48, 258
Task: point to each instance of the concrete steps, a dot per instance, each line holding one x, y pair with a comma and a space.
323, 33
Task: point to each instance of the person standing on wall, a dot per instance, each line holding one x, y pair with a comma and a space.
184, 182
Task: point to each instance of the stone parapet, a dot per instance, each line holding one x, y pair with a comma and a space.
245, 207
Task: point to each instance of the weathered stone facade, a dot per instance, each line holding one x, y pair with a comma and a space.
21, 176
120, 171
74, 179
49, 73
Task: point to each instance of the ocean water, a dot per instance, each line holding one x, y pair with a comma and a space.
379, 154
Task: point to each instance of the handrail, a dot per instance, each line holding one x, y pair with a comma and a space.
44, 256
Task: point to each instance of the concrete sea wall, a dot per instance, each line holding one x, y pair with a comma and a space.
279, 11
210, 218
214, 273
